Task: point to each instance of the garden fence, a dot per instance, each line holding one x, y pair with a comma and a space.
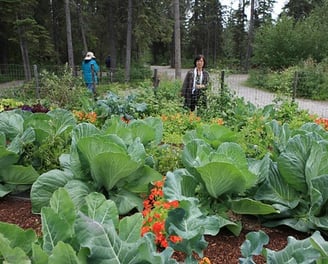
12, 75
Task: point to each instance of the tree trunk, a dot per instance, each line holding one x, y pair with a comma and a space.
112, 35
69, 37
25, 57
250, 38
128, 42
177, 40
84, 40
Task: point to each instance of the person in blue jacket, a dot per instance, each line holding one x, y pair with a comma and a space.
90, 69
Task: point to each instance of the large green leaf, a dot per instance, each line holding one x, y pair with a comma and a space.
233, 153
3, 142
179, 185
105, 244
196, 153
47, 183
78, 190
317, 164
275, 190
5, 189
138, 181
63, 253
17, 174
18, 237
253, 245
62, 204
11, 123
142, 130
157, 125
12, 255
99, 209
57, 220
292, 161
54, 229
137, 151
62, 121
320, 183
126, 201
296, 251
89, 147
212, 134
84, 130
301, 224
115, 126
260, 168
21, 140
251, 207
221, 178
107, 168
38, 255
190, 224
7, 157
41, 124
320, 244
281, 133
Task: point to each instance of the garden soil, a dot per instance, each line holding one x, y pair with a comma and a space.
223, 248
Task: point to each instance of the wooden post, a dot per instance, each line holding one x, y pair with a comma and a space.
36, 76
222, 82
155, 81
295, 83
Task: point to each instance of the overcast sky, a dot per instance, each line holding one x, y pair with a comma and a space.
277, 7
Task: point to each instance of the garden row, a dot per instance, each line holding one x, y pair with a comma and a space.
135, 178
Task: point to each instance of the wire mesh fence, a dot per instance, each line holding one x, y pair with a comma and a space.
12, 75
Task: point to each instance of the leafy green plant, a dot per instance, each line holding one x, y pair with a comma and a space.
112, 161
176, 125
313, 249
189, 221
255, 139
60, 90
31, 144
9, 103
89, 233
112, 105
253, 246
167, 157
295, 182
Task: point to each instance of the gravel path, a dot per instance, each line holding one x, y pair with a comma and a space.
258, 97
261, 98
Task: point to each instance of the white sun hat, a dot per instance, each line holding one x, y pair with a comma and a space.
89, 56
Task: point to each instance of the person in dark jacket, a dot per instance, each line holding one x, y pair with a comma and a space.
195, 85
108, 62
90, 69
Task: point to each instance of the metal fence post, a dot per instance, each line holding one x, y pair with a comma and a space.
36, 76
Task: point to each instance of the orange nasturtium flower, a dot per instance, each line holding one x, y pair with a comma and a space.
155, 213
323, 122
85, 117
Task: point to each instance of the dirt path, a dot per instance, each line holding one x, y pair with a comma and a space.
257, 97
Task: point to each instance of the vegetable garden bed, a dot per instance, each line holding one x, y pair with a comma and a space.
222, 248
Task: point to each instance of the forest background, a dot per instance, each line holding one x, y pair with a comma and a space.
168, 32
